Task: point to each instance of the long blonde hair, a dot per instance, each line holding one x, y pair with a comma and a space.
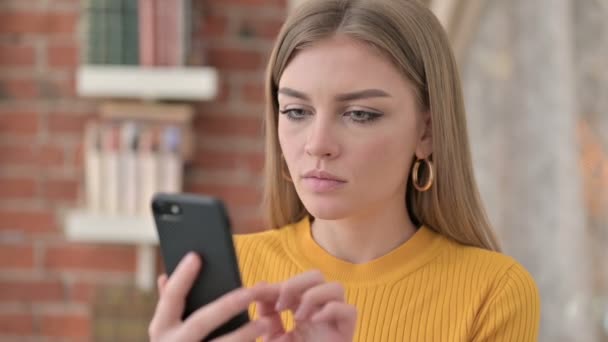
411, 36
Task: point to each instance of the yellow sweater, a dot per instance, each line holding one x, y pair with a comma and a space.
428, 289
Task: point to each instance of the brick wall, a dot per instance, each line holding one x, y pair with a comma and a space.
54, 289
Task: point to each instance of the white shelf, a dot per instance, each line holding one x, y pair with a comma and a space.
151, 83
85, 226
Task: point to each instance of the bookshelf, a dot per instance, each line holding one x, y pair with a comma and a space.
85, 226
147, 83
122, 215
136, 59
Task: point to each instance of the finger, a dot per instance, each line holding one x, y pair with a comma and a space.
248, 332
343, 315
266, 299
211, 316
171, 304
276, 327
292, 289
160, 283
266, 293
290, 336
316, 297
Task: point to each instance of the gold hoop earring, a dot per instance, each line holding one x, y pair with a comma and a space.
429, 182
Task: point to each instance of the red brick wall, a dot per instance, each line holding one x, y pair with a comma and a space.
48, 284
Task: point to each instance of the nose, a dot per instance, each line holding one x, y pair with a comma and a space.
322, 142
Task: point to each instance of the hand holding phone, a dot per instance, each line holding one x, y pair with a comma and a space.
198, 226
207, 301
167, 323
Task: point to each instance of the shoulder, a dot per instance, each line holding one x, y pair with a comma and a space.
507, 297
267, 238
489, 267
511, 309
261, 256
258, 237
256, 243
508, 282
490, 276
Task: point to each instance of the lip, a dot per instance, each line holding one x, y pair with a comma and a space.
322, 181
323, 175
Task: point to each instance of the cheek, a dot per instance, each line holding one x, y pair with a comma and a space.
384, 159
288, 140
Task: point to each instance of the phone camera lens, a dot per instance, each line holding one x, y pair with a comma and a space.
175, 209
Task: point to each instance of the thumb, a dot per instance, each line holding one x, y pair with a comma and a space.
161, 282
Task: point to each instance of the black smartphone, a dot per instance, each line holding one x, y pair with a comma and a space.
187, 222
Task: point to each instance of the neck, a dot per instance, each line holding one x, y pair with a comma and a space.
366, 236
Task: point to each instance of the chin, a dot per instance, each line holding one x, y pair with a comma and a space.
327, 209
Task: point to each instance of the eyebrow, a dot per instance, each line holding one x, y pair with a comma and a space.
361, 94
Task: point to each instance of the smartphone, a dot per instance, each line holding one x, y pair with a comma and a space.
187, 222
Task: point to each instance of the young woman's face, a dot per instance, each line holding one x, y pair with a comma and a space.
348, 128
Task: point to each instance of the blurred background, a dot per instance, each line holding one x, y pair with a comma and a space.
103, 102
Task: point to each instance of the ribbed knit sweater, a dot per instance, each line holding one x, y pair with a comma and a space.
430, 288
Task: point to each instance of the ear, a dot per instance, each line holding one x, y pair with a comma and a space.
424, 146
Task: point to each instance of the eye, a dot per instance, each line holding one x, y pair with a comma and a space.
294, 113
362, 116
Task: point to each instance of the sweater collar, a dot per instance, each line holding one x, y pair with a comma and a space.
415, 252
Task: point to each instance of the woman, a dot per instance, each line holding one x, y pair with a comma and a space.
380, 234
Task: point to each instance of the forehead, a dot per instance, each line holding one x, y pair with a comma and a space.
339, 63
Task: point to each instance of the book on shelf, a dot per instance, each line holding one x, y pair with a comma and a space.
131, 32
111, 32
144, 32
132, 152
171, 31
147, 32
113, 20
94, 35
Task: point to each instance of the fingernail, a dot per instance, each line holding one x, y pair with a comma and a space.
190, 257
279, 306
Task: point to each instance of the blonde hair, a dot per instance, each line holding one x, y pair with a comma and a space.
411, 36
